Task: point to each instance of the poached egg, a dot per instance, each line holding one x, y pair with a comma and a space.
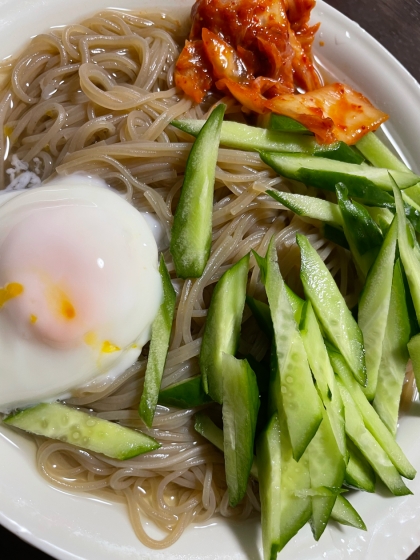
79, 288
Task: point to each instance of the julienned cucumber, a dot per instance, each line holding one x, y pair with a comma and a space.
343, 512
368, 183
221, 333
293, 391
359, 473
159, 344
378, 154
244, 137
374, 306
240, 410
57, 421
331, 309
309, 206
192, 227
184, 394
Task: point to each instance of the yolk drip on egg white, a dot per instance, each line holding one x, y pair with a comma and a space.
79, 288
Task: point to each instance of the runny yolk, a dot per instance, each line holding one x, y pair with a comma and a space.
60, 303
33, 319
108, 347
10, 291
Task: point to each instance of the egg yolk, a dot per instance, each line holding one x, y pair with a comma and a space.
10, 291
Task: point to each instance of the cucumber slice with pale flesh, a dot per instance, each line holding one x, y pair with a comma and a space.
394, 354
359, 473
345, 514
370, 417
414, 351
222, 329
159, 344
293, 390
240, 411
371, 184
309, 207
192, 227
378, 154
326, 468
331, 309
187, 393
374, 306
409, 253
323, 373
369, 446
362, 233
57, 421
269, 470
261, 312
244, 137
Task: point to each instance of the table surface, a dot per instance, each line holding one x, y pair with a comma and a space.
395, 24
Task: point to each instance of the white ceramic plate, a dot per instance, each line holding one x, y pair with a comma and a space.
70, 526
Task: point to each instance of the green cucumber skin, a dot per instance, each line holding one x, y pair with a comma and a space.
159, 344
359, 473
367, 183
374, 306
378, 154
340, 152
323, 373
269, 470
408, 253
363, 234
394, 354
370, 417
192, 227
57, 421
208, 429
286, 124
414, 351
326, 468
345, 514
251, 138
369, 446
240, 393
294, 389
223, 324
331, 309
261, 312
309, 207
188, 393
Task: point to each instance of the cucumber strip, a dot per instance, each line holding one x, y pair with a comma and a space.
336, 235
359, 473
414, 351
188, 393
192, 227
369, 446
57, 421
368, 183
261, 312
342, 152
244, 137
309, 207
240, 411
378, 154
382, 216
409, 253
296, 392
326, 468
374, 306
159, 344
269, 469
363, 234
285, 124
223, 324
323, 373
295, 511
208, 429
414, 194
345, 514
370, 417
394, 354
331, 309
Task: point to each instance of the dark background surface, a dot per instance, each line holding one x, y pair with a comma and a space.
395, 24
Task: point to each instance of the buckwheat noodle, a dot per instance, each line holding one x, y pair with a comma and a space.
98, 97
